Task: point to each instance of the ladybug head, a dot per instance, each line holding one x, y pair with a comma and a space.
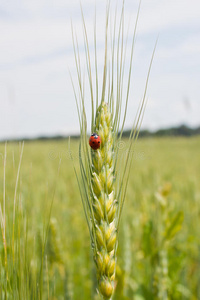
95, 135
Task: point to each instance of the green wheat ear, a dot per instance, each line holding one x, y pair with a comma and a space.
104, 202
104, 177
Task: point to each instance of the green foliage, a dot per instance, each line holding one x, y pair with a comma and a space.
158, 252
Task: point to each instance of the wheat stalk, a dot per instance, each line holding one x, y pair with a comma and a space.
103, 180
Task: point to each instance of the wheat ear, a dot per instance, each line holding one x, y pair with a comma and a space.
102, 185
103, 201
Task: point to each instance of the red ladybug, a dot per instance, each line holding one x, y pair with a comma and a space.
95, 141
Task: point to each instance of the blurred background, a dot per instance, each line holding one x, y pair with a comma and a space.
36, 59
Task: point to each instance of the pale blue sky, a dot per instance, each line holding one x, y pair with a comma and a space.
36, 54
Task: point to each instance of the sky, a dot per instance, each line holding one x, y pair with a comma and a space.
37, 58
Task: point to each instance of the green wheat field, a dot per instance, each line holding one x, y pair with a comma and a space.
45, 250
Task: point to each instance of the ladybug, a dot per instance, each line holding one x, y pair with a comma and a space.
95, 141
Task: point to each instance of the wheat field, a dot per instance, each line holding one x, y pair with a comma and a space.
45, 248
